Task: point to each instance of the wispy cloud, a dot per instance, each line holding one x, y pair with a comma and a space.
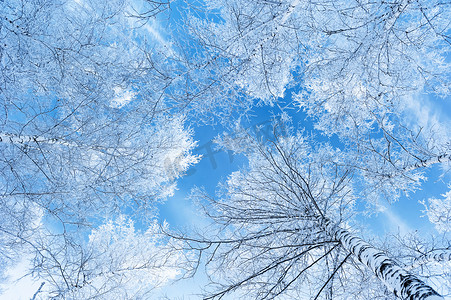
394, 221
150, 26
430, 113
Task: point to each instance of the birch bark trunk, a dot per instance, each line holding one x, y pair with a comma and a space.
27, 139
442, 255
446, 157
403, 284
429, 162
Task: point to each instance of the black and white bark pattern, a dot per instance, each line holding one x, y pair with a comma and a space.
17, 139
403, 284
439, 255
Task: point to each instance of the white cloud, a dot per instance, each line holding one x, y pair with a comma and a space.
150, 27
431, 114
19, 285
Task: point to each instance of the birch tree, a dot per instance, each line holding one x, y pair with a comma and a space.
85, 132
286, 228
356, 69
352, 61
426, 256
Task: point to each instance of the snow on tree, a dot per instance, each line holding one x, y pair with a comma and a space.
285, 227
90, 127
428, 257
118, 262
439, 212
336, 48
85, 132
355, 68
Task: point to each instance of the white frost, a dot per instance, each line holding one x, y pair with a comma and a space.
122, 97
439, 212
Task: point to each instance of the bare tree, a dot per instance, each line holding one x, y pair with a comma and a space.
90, 128
286, 228
117, 262
355, 68
85, 132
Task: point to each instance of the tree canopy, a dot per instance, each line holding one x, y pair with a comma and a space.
103, 107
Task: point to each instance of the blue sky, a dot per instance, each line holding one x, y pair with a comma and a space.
216, 165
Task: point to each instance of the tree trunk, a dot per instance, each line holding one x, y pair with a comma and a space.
10, 138
442, 255
403, 284
446, 157
429, 162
